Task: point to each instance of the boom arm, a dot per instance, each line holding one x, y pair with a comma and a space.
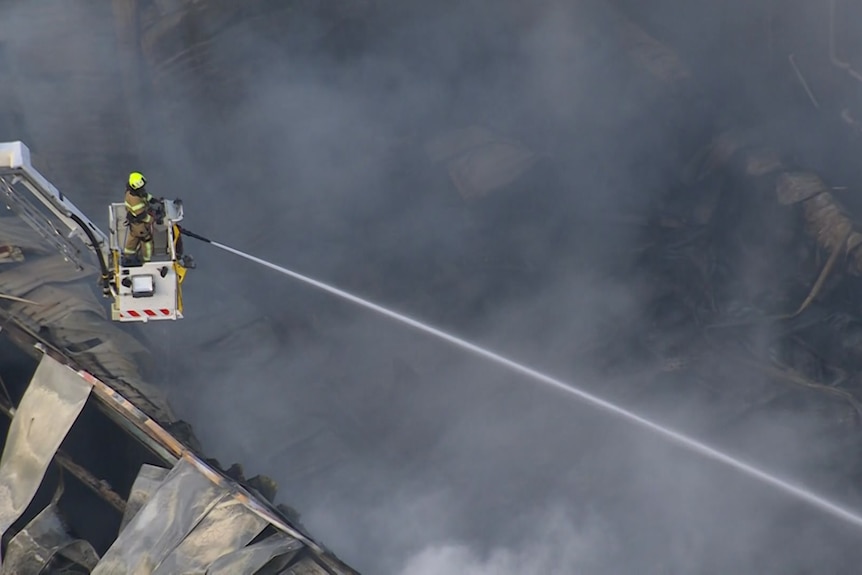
17, 177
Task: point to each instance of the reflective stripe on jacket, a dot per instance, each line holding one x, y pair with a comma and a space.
138, 207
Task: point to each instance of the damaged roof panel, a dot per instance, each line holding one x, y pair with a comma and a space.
189, 519
179, 503
149, 478
49, 408
43, 539
227, 528
251, 559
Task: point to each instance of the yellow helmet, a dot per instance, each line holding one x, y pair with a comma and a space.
137, 181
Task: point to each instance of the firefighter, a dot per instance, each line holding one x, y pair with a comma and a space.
139, 220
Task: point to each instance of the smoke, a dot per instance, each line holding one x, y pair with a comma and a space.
553, 547
65, 98
311, 136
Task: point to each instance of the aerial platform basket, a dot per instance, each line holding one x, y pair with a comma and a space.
151, 290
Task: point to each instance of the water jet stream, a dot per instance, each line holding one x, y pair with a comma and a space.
793, 489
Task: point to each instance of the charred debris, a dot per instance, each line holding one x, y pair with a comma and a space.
750, 246
754, 253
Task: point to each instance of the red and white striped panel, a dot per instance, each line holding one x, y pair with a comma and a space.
146, 312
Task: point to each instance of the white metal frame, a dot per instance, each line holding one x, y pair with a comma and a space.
16, 170
166, 300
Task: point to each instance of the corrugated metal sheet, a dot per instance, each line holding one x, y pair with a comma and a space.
34, 547
249, 560
115, 350
49, 407
227, 528
176, 507
185, 523
55, 303
149, 478
49, 269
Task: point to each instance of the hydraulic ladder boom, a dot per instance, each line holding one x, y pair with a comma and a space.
19, 181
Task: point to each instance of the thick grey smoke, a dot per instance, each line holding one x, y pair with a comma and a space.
553, 547
308, 138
